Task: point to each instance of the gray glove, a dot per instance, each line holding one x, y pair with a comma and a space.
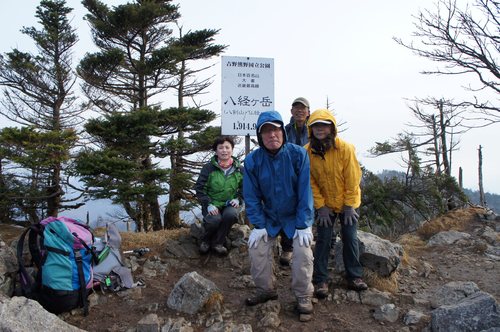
350, 216
323, 218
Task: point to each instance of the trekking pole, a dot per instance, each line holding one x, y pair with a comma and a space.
138, 252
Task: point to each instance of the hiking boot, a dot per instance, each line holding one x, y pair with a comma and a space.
321, 290
304, 305
220, 249
204, 247
285, 258
261, 298
357, 284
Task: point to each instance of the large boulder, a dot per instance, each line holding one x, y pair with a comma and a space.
239, 233
8, 269
375, 253
182, 248
453, 292
22, 314
447, 237
192, 292
477, 312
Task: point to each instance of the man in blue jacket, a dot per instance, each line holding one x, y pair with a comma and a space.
278, 196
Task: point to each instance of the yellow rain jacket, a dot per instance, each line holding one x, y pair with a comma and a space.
335, 178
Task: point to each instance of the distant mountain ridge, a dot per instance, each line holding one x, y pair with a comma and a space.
492, 200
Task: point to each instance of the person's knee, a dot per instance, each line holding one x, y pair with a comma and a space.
230, 213
302, 252
212, 222
349, 232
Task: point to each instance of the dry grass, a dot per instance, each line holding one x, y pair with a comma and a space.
9, 232
130, 240
385, 284
152, 240
458, 220
214, 302
411, 243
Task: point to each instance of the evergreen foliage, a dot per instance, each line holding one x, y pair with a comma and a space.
37, 94
28, 156
139, 59
396, 203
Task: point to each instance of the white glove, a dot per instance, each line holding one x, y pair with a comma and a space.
234, 203
255, 236
305, 236
212, 210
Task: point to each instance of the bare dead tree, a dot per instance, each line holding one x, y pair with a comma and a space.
438, 127
463, 41
482, 199
460, 178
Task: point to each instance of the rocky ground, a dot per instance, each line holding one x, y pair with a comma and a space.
402, 302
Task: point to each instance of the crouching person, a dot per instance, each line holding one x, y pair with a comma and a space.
278, 197
218, 190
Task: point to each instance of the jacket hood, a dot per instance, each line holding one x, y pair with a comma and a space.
321, 114
269, 116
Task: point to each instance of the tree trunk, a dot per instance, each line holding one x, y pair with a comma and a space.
460, 178
436, 144
152, 207
54, 192
444, 147
4, 202
482, 200
171, 217
134, 215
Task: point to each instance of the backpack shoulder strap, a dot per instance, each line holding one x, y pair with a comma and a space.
35, 237
28, 285
81, 278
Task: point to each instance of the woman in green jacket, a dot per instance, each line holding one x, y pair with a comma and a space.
218, 190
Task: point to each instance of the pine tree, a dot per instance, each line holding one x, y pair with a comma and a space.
37, 92
138, 60
192, 46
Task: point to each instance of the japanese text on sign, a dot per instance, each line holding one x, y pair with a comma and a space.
247, 91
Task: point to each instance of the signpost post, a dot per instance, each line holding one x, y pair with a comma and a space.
247, 91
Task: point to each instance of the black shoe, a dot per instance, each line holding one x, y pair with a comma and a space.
261, 298
204, 247
321, 290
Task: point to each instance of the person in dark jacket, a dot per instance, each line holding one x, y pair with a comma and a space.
296, 130
218, 190
296, 133
278, 197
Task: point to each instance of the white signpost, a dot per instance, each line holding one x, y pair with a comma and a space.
247, 91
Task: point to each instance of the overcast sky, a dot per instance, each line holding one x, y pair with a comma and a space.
340, 50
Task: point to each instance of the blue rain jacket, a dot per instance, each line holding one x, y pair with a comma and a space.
277, 188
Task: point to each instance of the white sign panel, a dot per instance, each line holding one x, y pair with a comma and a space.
247, 91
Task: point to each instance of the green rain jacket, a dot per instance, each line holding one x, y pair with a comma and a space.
216, 188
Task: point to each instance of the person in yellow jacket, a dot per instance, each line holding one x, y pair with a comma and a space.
335, 180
